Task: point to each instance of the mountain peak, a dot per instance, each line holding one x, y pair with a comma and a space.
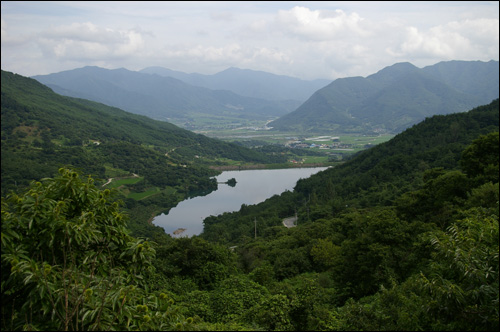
396, 97
397, 69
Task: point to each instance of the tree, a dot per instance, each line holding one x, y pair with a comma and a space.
481, 158
325, 253
234, 297
68, 262
457, 291
463, 277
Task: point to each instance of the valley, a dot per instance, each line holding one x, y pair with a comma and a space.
336, 146
250, 166
370, 242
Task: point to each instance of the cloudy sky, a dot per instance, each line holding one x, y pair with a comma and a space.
304, 39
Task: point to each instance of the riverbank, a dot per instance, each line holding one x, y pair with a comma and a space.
269, 166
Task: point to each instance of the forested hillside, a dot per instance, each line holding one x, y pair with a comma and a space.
42, 131
395, 98
375, 177
404, 236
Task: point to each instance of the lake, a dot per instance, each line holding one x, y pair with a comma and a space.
252, 187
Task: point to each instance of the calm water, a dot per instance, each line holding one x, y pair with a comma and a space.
252, 187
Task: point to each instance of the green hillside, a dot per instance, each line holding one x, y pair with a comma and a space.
389, 240
375, 177
471, 77
395, 98
42, 130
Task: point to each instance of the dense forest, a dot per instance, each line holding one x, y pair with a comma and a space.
404, 236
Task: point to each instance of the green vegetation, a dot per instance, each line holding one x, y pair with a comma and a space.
144, 194
117, 183
297, 145
363, 270
231, 182
69, 263
42, 131
394, 98
403, 236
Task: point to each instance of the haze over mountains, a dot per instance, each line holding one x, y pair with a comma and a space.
164, 98
390, 100
249, 83
395, 98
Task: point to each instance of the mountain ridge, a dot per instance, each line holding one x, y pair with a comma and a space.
159, 97
394, 98
247, 82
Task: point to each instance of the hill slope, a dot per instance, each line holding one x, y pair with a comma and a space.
395, 97
388, 240
42, 130
374, 177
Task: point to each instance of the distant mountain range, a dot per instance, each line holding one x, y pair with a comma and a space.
249, 83
390, 100
160, 97
395, 98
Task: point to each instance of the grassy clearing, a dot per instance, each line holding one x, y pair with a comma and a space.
315, 159
170, 190
363, 140
121, 182
150, 192
144, 194
112, 172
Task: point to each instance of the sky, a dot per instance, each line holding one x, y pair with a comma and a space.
303, 39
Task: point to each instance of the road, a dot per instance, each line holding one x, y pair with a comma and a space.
290, 222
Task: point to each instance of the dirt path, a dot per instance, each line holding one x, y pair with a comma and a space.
119, 178
178, 147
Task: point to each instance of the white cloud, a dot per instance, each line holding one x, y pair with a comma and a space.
87, 41
222, 16
9, 40
225, 56
466, 39
319, 24
303, 39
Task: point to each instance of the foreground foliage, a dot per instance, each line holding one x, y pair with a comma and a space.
68, 262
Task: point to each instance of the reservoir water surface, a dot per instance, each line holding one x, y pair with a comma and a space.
252, 187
